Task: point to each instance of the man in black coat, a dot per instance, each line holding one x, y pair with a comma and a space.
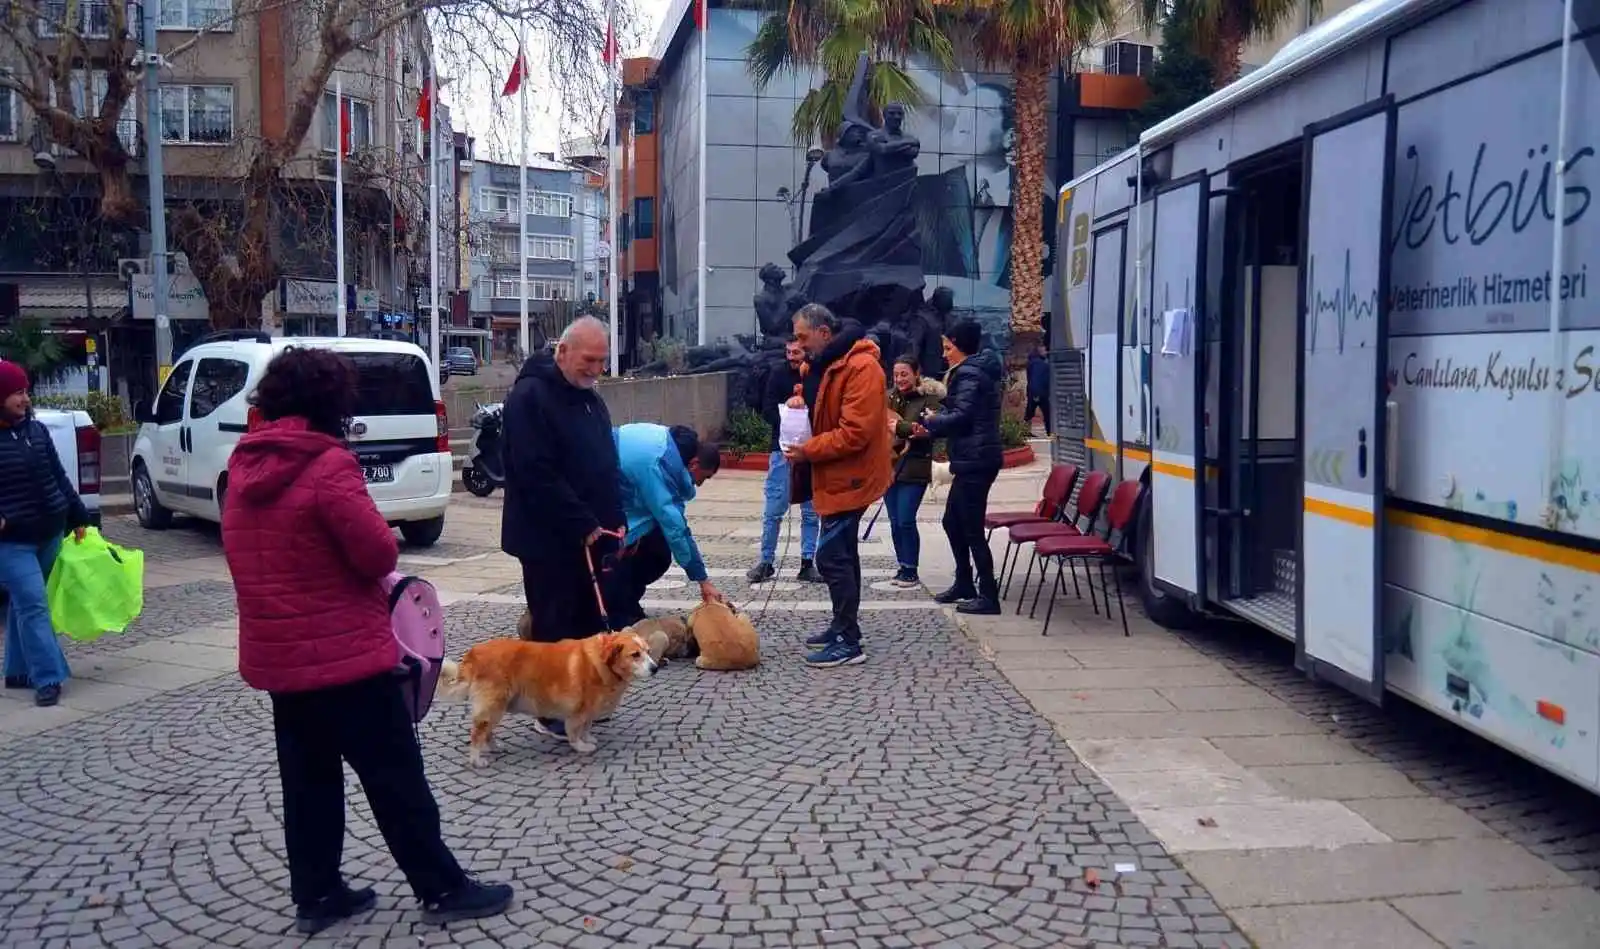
776, 389
1039, 387
563, 492
969, 422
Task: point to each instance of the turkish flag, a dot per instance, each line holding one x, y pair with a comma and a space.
700, 14
519, 72
425, 104
609, 54
344, 127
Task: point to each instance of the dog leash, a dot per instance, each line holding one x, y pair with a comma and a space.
594, 573
867, 534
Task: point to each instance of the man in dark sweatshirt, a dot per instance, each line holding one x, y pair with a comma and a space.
781, 384
1039, 386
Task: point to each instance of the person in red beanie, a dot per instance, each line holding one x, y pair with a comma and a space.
308, 552
38, 507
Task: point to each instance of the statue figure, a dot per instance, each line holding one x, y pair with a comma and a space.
775, 304
931, 321
862, 258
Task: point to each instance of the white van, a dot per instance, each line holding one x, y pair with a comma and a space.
399, 432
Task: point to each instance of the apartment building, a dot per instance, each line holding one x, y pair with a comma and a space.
229, 88
555, 211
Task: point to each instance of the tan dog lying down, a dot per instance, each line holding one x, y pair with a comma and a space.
575, 680
668, 637
727, 640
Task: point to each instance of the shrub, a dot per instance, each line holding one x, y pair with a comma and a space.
1014, 432
746, 433
105, 410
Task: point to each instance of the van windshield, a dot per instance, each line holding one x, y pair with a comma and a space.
392, 384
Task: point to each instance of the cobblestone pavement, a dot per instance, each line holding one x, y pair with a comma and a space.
913, 801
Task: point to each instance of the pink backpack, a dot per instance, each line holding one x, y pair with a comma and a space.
418, 623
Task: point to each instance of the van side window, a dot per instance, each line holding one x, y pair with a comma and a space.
215, 382
169, 404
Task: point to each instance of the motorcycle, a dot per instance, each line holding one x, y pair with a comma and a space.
485, 469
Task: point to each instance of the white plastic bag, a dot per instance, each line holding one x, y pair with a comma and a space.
794, 426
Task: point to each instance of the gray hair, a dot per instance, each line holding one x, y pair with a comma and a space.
583, 326
819, 316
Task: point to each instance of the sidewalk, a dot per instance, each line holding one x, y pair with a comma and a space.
1305, 841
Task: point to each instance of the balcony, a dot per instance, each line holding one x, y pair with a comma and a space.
86, 19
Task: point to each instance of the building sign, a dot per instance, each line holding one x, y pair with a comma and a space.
185, 299
309, 297
367, 300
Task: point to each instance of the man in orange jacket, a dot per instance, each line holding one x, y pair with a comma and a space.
849, 457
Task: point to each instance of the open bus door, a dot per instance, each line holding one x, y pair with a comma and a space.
1177, 297
1344, 307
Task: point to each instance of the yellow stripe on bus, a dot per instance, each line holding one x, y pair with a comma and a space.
1541, 550
1339, 512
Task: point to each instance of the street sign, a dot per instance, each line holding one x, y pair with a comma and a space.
89, 347
366, 300
162, 373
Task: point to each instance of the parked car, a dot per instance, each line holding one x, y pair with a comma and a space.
400, 431
461, 361
77, 443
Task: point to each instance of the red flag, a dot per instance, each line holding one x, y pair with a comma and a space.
700, 14
609, 54
519, 72
425, 104
345, 136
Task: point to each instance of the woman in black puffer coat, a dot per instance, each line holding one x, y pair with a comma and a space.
969, 423
38, 507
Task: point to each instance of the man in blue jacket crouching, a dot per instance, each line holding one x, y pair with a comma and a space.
661, 468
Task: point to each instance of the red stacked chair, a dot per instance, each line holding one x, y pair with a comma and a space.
1090, 497
1052, 501
1091, 549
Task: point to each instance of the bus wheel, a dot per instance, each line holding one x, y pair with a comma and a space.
1166, 610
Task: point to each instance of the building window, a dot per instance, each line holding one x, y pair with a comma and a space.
197, 115
10, 119
644, 112
550, 204
505, 247
550, 248
501, 202
87, 19
644, 218
360, 123
196, 14
550, 289
88, 89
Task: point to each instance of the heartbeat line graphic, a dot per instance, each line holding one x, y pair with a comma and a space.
1345, 306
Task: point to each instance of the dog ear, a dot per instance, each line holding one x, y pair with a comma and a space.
614, 650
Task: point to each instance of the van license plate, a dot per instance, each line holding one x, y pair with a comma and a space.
378, 474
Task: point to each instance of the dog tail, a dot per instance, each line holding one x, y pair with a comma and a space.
454, 680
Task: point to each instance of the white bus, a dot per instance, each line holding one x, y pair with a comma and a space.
1328, 315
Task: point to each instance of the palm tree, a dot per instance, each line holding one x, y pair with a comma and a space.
1222, 27
39, 352
832, 34
1030, 39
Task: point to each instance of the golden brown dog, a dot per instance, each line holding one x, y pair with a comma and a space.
575, 680
727, 640
668, 637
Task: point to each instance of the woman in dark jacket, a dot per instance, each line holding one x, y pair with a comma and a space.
308, 552
910, 396
970, 425
38, 506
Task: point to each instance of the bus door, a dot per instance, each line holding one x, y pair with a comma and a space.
1177, 378
1344, 301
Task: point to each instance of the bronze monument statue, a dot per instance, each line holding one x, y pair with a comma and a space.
775, 304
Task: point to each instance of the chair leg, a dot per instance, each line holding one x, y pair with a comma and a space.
1088, 581
1050, 610
988, 533
1122, 608
1010, 557
1045, 562
1077, 591
1022, 594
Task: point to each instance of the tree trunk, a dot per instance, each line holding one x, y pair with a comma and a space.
1228, 54
1027, 230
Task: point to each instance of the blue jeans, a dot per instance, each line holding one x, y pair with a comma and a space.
777, 491
901, 503
31, 646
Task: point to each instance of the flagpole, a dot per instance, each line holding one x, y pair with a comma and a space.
340, 314
435, 333
705, 36
613, 196
522, 196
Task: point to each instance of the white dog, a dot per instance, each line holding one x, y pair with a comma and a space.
941, 476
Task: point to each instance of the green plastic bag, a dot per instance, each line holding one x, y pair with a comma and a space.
95, 587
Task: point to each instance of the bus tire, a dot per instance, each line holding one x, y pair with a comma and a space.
1166, 610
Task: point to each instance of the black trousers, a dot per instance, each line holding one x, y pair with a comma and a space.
964, 508
627, 582
366, 724
560, 596
839, 562
1040, 403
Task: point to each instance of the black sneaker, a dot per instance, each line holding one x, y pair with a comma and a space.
809, 573
47, 695
979, 606
19, 682
554, 727
472, 900
955, 594
820, 639
906, 578
315, 917
760, 573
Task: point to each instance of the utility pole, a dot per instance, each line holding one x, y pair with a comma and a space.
152, 61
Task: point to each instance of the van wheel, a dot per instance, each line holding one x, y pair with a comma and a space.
152, 516
1166, 610
477, 481
422, 533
